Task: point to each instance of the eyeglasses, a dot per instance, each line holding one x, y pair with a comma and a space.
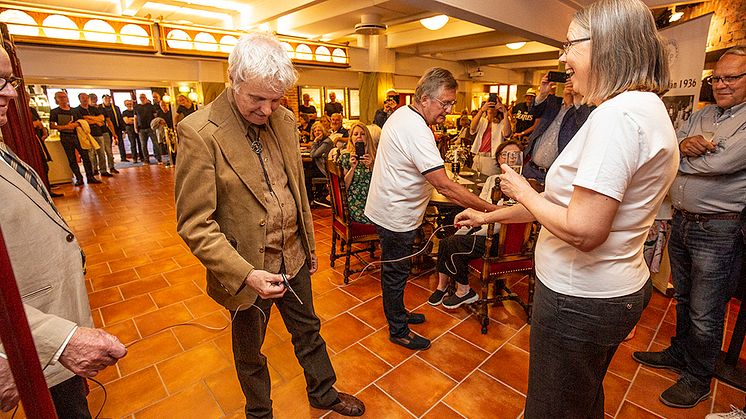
446, 105
727, 80
566, 46
12, 80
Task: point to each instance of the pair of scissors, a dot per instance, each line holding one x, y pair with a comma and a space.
286, 283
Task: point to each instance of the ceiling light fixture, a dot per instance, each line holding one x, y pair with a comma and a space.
434, 23
675, 15
515, 45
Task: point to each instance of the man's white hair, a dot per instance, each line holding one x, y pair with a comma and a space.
259, 57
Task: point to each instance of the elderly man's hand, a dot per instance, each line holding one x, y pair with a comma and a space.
267, 285
90, 351
696, 146
8, 390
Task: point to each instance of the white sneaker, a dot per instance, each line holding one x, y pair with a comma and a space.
735, 413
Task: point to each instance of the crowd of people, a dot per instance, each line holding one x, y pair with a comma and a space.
605, 151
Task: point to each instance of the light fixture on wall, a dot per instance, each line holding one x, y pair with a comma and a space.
675, 15
434, 23
193, 96
183, 88
166, 98
515, 45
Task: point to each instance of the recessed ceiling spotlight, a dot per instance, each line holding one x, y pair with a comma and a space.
515, 45
434, 23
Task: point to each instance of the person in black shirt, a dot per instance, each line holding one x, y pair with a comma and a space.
164, 111
307, 108
333, 106
145, 112
128, 116
96, 120
41, 134
383, 114
186, 108
62, 119
523, 115
113, 114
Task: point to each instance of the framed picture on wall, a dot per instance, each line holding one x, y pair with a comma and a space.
316, 97
353, 103
339, 93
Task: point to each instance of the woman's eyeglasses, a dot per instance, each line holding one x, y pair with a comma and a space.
566, 46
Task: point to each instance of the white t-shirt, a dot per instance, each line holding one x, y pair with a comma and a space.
399, 192
626, 150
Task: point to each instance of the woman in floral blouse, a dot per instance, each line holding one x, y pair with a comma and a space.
358, 171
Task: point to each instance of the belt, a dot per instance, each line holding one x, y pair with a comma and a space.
537, 167
484, 154
706, 217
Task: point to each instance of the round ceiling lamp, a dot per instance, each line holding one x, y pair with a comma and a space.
434, 23
516, 45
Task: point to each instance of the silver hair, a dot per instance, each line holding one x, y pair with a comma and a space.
433, 81
260, 57
739, 50
627, 53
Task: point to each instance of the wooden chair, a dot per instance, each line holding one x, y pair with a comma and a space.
348, 231
515, 253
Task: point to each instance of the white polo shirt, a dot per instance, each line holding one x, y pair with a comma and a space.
626, 150
399, 192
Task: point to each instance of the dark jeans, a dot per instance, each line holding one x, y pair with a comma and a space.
134, 139
71, 145
249, 329
395, 245
69, 398
455, 252
572, 342
146, 133
705, 267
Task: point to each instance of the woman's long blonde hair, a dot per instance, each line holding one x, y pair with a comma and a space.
371, 144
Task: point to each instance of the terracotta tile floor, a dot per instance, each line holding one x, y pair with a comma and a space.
142, 278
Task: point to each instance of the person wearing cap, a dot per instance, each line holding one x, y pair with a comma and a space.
523, 115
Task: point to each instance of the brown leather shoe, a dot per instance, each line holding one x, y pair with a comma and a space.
345, 405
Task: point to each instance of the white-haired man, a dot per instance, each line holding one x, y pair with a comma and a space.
242, 208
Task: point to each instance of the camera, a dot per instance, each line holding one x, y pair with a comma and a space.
493, 98
557, 76
395, 98
359, 149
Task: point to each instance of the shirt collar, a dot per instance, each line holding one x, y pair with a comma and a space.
730, 111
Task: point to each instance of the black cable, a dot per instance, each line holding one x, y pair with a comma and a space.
101, 409
14, 412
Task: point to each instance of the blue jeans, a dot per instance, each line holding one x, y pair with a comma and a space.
144, 134
573, 340
705, 266
395, 245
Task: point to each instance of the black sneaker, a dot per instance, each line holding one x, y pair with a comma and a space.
106, 174
92, 180
58, 195
659, 360
115, 171
454, 301
78, 182
685, 393
411, 341
415, 318
436, 297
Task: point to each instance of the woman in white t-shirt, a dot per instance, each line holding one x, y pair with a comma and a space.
602, 194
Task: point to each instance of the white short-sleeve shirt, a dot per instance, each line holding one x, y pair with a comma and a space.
626, 150
399, 192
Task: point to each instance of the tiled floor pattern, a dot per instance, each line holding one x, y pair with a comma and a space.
141, 278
